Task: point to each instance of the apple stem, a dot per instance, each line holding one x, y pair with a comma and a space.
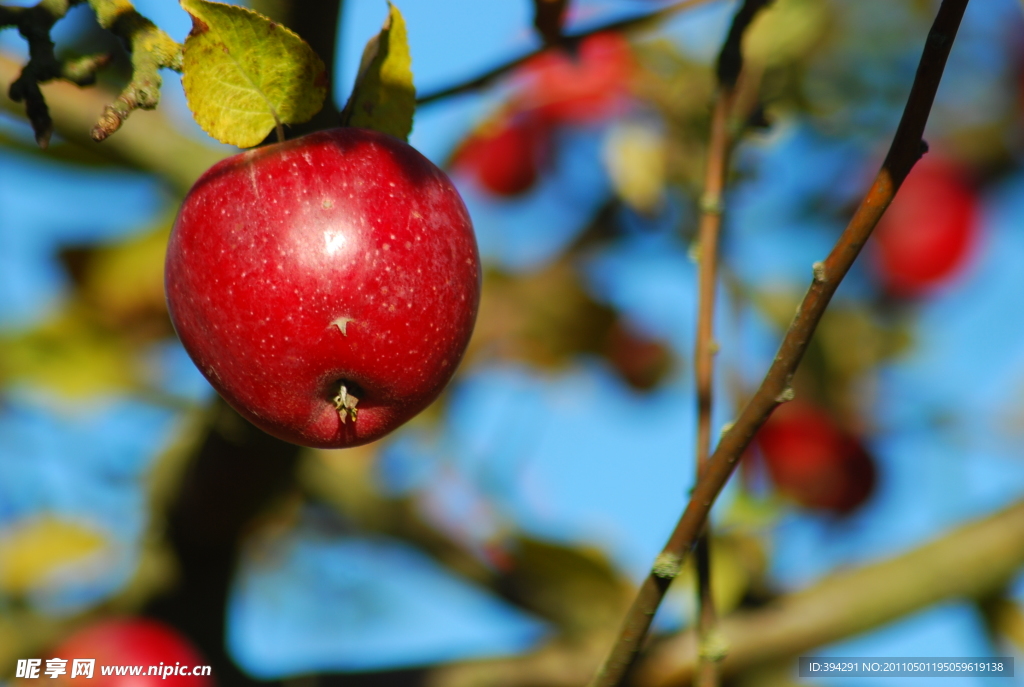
345, 403
279, 129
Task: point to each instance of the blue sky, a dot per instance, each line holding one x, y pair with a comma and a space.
588, 461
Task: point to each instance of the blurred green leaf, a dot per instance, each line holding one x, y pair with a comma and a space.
544, 317
634, 154
125, 281
575, 587
384, 97
785, 31
69, 355
32, 550
244, 74
737, 563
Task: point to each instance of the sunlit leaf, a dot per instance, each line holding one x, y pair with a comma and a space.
736, 564
126, 280
384, 97
635, 157
244, 74
575, 587
69, 355
785, 31
33, 550
543, 318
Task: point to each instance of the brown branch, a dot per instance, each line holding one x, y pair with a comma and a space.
34, 24
730, 64
569, 42
906, 149
970, 562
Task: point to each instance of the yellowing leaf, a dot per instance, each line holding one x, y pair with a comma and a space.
35, 549
244, 74
384, 97
785, 31
128, 278
69, 355
635, 158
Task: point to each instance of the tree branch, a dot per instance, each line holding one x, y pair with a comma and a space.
970, 562
730, 62
151, 49
488, 77
906, 149
149, 143
34, 24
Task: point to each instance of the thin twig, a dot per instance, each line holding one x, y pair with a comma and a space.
633, 23
151, 50
907, 147
730, 65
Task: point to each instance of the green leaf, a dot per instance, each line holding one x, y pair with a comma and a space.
244, 75
384, 97
32, 550
69, 355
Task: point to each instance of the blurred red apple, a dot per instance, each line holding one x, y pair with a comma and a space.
813, 461
928, 232
587, 87
133, 642
642, 361
505, 156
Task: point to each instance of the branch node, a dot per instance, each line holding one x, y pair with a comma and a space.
667, 565
820, 276
693, 252
711, 204
714, 647
725, 428
785, 395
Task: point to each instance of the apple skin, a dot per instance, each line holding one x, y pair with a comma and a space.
342, 257
505, 156
928, 232
135, 642
813, 461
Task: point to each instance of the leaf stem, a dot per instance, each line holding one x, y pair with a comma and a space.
907, 147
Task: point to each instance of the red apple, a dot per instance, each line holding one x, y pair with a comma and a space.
133, 642
587, 87
813, 461
927, 234
326, 286
505, 155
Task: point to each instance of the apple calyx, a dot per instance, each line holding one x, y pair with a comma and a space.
345, 403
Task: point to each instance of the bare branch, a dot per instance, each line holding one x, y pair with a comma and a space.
151, 50
906, 149
972, 562
730, 62
34, 24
